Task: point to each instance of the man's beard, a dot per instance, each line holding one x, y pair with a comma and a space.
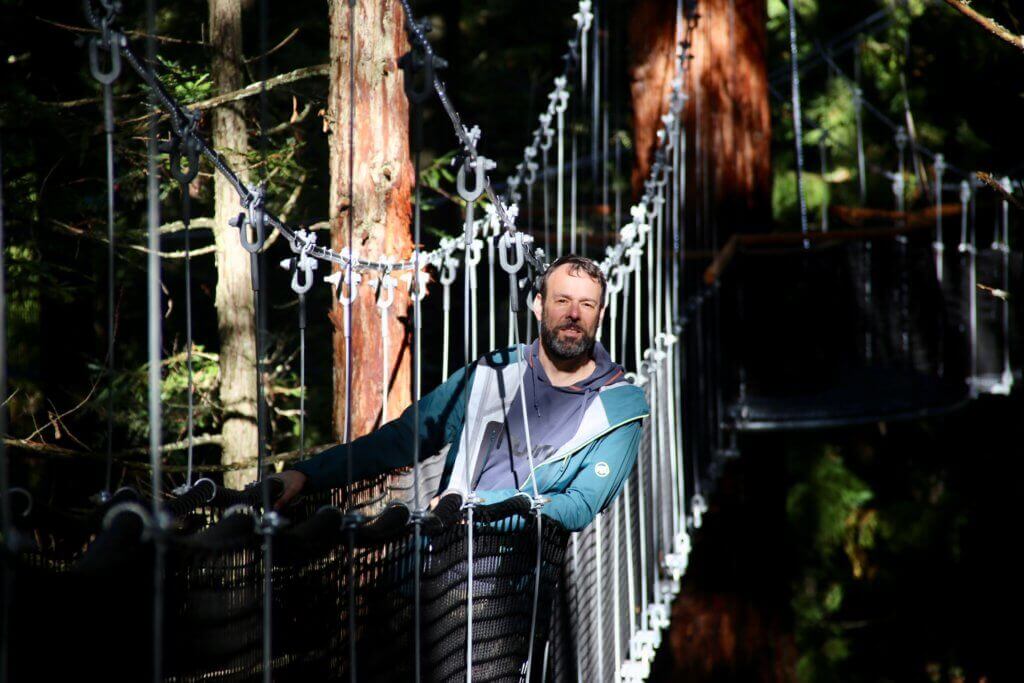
566, 349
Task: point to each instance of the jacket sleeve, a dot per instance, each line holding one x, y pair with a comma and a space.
599, 479
390, 447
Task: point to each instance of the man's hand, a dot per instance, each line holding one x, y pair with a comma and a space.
293, 482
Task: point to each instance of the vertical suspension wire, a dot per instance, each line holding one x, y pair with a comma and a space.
154, 337
798, 133
467, 241
560, 178
858, 106
186, 219
353, 661
595, 121
492, 339
5, 489
523, 369
302, 376
259, 260
416, 116
1003, 246
108, 133
607, 229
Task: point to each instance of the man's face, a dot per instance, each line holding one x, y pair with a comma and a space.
569, 314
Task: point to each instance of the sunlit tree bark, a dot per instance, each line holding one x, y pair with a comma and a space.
378, 209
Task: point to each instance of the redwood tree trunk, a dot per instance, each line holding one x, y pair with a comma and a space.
723, 627
378, 209
234, 299
727, 116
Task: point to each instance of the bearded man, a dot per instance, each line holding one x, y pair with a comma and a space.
584, 419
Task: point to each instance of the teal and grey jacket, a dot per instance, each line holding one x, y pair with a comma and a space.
577, 480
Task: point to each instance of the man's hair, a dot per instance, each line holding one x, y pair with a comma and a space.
576, 264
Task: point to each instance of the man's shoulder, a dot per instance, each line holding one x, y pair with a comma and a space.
624, 401
500, 358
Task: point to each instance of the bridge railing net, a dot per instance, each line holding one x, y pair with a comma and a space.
844, 332
100, 606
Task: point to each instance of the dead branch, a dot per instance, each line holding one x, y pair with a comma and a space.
201, 251
269, 84
287, 39
989, 180
203, 223
989, 25
131, 34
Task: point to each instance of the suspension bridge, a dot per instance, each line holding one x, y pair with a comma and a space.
912, 318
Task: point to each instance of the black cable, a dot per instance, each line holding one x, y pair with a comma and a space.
108, 129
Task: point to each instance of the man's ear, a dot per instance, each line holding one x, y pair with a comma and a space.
537, 306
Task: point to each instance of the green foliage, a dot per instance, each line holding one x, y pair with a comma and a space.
827, 510
785, 199
130, 392
187, 82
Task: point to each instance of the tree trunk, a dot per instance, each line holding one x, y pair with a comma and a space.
378, 209
723, 627
234, 298
727, 116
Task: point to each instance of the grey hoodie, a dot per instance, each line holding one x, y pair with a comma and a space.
554, 414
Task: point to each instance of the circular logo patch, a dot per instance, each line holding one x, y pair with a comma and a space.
602, 470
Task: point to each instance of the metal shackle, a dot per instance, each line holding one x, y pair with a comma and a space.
412, 62
614, 283
509, 242
386, 288
449, 270
480, 168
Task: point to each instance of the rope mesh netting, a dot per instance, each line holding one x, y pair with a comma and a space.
214, 588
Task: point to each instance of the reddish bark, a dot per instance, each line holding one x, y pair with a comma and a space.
727, 115
379, 207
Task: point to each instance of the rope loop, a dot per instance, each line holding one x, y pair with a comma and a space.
134, 508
